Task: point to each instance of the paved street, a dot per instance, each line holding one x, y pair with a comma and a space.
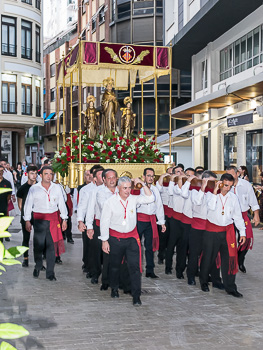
71, 313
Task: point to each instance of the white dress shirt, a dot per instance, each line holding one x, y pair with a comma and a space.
199, 206
154, 208
39, 200
84, 197
232, 211
25, 178
246, 195
167, 199
186, 194
113, 213
8, 176
178, 200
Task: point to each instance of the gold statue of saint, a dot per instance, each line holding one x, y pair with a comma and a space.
109, 106
127, 118
91, 118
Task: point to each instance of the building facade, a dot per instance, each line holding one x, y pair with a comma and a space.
227, 80
21, 81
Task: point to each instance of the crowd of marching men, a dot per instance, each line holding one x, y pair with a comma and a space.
187, 213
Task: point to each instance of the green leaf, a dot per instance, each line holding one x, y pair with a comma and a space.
17, 251
6, 346
12, 331
2, 268
2, 251
5, 222
10, 262
5, 234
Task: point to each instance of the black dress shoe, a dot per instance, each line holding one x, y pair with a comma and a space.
52, 278
88, 275
94, 280
85, 270
191, 282
70, 240
136, 301
127, 291
204, 287
7, 239
242, 268
35, 273
168, 271
151, 275
114, 293
180, 275
160, 261
235, 294
218, 285
43, 268
25, 263
104, 286
58, 260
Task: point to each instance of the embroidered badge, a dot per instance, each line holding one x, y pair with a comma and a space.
58, 225
232, 245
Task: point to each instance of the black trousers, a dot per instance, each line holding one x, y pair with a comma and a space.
85, 252
145, 228
105, 278
175, 240
95, 249
195, 249
120, 248
185, 243
163, 238
213, 243
26, 238
68, 232
241, 254
43, 241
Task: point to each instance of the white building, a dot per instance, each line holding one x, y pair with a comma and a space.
59, 15
221, 42
21, 81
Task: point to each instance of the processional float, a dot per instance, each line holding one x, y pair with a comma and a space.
91, 64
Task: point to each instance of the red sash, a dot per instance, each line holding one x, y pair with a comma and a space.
249, 234
151, 218
55, 230
69, 204
198, 224
176, 215
131, 234
186, 220
97, 221
168, 211
165, 184
231, 242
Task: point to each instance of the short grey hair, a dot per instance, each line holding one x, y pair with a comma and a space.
123, 179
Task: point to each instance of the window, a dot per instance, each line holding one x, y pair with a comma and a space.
204, 75
113, 10
83, 4
8, 36
26, 97
26, 40
93, 24
146, 8
9, 97
38, 4
29, 2
38, 53
53, 70
38, 101
69, 19
52, 95
124, 10
180, 14
101, 15
243, 54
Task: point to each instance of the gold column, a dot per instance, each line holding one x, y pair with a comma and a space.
64, 119
71, 114
156, 109
142, 106
57, 100
170, 106
79, 93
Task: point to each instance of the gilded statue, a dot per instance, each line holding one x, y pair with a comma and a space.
109, 106
91, 118
127, 118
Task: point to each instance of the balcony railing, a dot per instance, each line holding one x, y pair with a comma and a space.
38, 57
38, 4
8, 50
38, 111
26, 53
29, 2
26, 109
9, 107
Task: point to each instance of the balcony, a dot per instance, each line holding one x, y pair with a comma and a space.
26, 53
9, 107
38, 111
8, 50
38, 57
26, 108
29, 2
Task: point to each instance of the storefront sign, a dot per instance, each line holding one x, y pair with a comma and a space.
240, 119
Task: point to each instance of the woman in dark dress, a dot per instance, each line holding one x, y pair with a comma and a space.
18, 175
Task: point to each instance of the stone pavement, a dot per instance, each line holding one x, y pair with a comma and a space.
73, 314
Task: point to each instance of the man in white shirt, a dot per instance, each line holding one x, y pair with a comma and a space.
120, 237
247, 199
223, 210
45, 200
147, 225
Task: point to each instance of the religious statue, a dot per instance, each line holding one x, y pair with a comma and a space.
109, 106
127, 118
91, 118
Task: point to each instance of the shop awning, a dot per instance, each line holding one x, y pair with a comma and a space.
51, 116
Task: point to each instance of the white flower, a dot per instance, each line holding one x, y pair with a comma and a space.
82, 141
107, 160
101, 137
112, 149
63, 154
